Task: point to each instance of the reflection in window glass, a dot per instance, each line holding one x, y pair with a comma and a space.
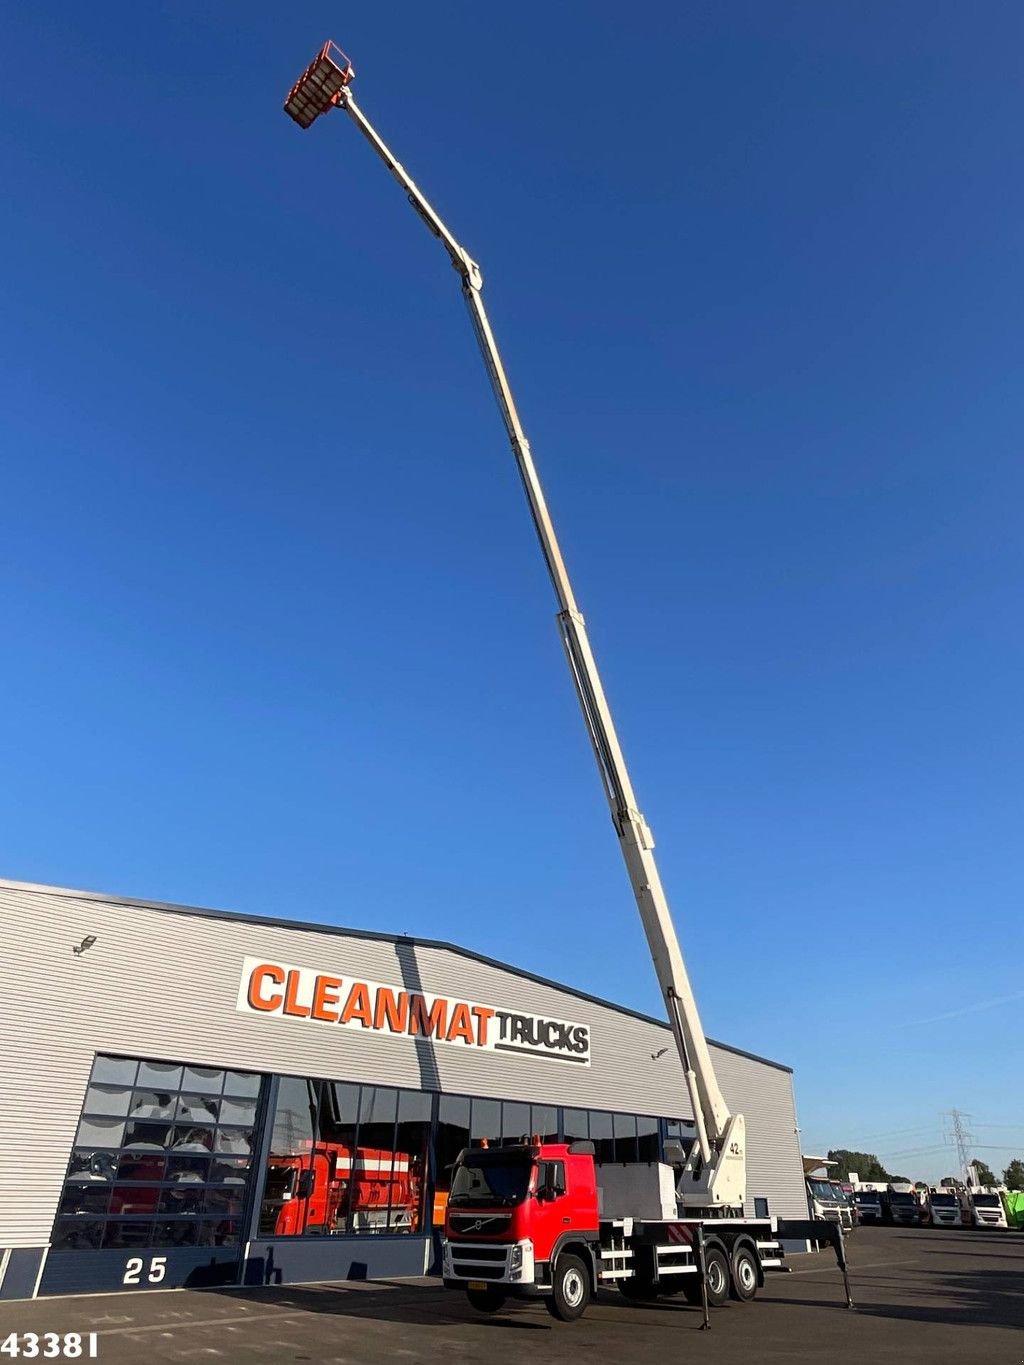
107, 1099
486, 1122
152, 1104
648, 1139
203, 1080
289, 1163
241, 1083
93, 1165
114, 1070
159, 1076
575, 1124
130, 1232
85, 1199
197, 1109
240, 1112
544, 1122
78, 1234
234, 1141
231, 1169
125, 1190
374, 1158
294, 1117
515, 1122
412, 1147
187, 1167
141, 1165
624, 1131
100, 1133
601, 1135
452, 1136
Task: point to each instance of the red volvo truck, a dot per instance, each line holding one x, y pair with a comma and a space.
544, 1219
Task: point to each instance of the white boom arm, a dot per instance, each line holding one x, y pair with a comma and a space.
715, 1172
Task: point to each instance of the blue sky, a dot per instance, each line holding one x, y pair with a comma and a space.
278, 634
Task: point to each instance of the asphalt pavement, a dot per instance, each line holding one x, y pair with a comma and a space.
922, 1294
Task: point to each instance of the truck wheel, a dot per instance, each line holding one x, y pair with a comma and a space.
743, 1280
489, 1300
570, 1282
718, 1275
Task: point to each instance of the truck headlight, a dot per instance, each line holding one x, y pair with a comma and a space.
446, 1258
516, 1259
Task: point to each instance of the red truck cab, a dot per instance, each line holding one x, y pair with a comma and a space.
513, 1213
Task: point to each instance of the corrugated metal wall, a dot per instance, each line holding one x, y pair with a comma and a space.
161, 984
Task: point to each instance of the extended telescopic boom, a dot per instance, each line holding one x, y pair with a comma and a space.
715, 1172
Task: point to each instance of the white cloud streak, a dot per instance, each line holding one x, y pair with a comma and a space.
976, 1008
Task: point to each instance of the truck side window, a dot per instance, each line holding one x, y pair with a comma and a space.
552, 1174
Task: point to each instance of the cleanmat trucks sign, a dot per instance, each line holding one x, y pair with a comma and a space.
305, 996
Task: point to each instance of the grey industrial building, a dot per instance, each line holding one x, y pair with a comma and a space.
195, 1097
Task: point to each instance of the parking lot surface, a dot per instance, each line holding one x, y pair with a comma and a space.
923, 1295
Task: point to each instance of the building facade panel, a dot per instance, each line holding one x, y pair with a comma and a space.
164, 983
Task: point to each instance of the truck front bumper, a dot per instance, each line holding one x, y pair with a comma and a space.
476, 1265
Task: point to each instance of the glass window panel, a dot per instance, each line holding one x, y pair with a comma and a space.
234, 1141
93, 1166
486, 1121
575, 1125
225, 1233
183, 1200
451, 1137
139, 1165
192, 1137
152, 1104
231, 1170
289, 1163
128, 1232
515, 1122
241, 1112
624, 1134
242, 1083
648, 1138
202, 1109
339, 1115
224, 1203
203, 1080
294, 1117
107, 1099
100, 1133
134, 1199
373, 1160
178, 1232
147, 1135
78, 1234
544, 1122
412, 1146
601, 1135
187, 1167
90, 1198
164, 1076
115, 1070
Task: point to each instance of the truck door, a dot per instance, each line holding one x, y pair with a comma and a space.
550, 1213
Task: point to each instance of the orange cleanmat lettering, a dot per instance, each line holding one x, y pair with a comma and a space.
357, 1006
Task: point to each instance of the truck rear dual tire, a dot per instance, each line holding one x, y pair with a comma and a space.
744, 1275
718, 1277
570, 1289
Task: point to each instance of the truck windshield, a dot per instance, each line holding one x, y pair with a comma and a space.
489, 1183
868, 1197
821, 1189
944, 1201
985, 1201
903, 1200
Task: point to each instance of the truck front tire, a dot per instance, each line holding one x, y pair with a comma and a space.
570, 1286
489, 1300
